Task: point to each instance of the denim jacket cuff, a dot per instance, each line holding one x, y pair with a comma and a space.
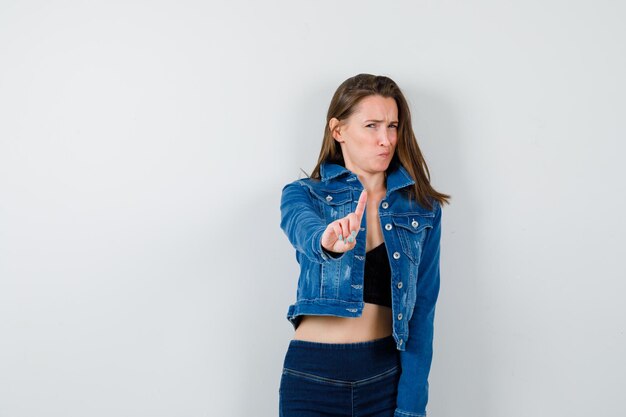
331, 255
401, 413
323, 253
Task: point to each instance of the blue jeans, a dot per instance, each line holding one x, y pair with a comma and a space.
340, 379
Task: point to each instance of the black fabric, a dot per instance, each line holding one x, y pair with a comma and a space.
377, 277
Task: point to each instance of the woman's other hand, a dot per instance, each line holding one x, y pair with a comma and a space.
340, 235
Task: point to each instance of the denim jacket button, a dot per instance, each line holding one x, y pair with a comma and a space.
414, 223
385, 204
400, 341
399, 316
329, 197
388, 226
396, 255
400, 284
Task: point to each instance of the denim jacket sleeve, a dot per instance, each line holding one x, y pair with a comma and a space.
417, 357
303, 224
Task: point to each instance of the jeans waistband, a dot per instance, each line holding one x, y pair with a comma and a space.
343, 361
384, 342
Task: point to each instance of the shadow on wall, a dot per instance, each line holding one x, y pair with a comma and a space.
461, 341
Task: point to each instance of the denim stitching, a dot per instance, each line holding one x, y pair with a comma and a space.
375, 378
317, 378
341, 382
409, 414
337, 300
352, 399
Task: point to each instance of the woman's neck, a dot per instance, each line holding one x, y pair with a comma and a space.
375, 185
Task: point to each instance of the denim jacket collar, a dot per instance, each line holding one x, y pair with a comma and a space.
397, 176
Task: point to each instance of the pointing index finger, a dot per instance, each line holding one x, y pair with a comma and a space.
360, 207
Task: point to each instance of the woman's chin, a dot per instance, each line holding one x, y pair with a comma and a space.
382, 165
378, 168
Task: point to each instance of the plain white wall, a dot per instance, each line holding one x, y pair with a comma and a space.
144, 144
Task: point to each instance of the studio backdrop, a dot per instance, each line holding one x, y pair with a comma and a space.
144, 145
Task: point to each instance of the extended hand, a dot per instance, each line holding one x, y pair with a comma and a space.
340, 235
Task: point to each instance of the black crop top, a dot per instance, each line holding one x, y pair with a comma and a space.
377, 277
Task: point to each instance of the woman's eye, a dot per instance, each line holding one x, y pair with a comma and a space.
394, 126
371, 124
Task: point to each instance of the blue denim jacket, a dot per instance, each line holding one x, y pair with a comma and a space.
333, 286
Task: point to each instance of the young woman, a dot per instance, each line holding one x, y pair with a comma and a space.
366, 226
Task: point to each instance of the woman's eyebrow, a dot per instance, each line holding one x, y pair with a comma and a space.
379, 121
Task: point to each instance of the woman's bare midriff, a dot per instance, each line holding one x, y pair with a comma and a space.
374, 323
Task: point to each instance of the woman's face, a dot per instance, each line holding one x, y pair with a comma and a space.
368, 137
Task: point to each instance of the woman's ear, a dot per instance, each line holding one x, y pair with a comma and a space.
334, 126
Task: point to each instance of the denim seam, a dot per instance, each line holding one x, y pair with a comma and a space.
375, 378
328, 298
409, 414
342, 382
317, 378
352, 399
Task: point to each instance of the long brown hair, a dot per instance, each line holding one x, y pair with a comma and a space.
408, 154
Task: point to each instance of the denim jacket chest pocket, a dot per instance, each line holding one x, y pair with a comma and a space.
333, 203
412, 229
